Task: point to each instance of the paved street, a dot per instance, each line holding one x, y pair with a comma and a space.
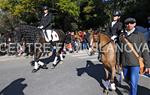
80, 74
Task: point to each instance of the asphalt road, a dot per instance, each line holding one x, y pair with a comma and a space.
80, 74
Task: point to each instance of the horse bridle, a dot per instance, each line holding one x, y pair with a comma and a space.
104, 44
100, 48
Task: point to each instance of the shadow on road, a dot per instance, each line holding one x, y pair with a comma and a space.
47, 60
95, 71
143, 91
14, 88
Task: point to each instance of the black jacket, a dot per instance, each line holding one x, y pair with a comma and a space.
115, 30
128, 58
46, 21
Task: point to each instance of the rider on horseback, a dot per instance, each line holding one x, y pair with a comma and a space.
50, 34
114, 30
115, 27
45, 24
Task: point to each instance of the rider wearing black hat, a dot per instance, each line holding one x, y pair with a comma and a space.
115, 26
45, 24
46, 20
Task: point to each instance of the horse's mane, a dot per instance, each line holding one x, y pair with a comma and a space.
105, 35
106, 39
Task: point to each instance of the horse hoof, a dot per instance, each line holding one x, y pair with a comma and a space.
53, 66
32, 63
106, 91
34, 70
61, 62
112, 87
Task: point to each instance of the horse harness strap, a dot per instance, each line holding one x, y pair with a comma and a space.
104, 44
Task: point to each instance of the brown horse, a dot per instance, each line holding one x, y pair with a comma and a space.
106, 55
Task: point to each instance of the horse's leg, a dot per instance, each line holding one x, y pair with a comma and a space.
121, 76
55, 61
41, 64
106, 81
58, 54
61, 56
112, 84
36, 67
38, 64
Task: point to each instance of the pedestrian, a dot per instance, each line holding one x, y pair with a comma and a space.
129, 62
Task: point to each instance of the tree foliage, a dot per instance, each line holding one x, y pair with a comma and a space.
74, 14
69, 6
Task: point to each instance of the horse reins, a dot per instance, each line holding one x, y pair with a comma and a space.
106, 43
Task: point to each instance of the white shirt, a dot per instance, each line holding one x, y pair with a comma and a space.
129, 32
113, 23
45, 14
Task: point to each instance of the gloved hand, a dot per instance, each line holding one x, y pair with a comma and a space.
113, 37
41, 27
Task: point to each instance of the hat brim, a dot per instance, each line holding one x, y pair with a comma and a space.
130, 20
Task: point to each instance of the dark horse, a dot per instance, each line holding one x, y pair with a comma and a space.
106, 55
34, 40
